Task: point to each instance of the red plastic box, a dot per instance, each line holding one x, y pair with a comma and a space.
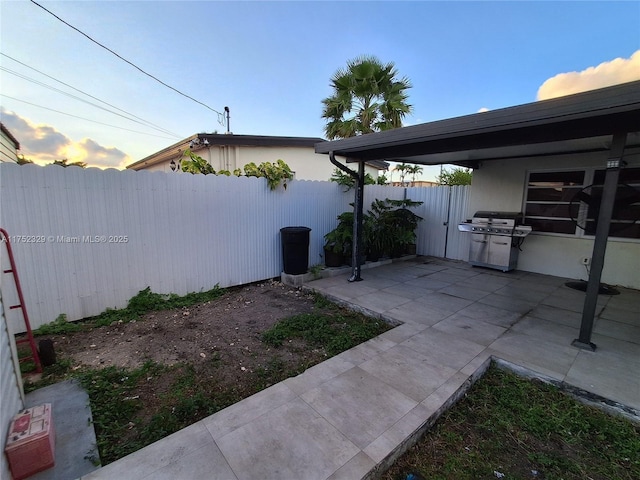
31, 442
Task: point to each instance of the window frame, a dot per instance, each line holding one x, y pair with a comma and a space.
589, 174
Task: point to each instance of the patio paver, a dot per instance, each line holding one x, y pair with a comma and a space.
344, 417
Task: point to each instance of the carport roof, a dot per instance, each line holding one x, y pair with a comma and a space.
580, 122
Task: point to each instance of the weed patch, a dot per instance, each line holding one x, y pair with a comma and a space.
144, 301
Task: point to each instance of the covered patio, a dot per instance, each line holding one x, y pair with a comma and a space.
599, 127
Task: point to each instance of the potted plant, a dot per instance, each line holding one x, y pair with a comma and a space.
392, 229
378, 230
339, 240
406, 222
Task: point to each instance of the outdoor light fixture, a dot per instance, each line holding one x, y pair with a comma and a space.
199, 141
173, 165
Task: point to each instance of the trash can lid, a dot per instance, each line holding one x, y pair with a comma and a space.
295, 229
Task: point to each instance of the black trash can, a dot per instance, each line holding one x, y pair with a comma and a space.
295, 249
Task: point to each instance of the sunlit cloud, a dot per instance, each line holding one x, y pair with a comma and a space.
100, 156
44, 144
619, 70
483, 109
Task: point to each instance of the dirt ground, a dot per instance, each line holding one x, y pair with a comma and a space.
227, 329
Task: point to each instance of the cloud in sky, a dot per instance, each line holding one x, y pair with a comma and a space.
43, 144
483, 109
619, 70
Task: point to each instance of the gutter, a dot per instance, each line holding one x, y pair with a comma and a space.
357, 217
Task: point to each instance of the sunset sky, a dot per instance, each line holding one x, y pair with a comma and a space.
271, 62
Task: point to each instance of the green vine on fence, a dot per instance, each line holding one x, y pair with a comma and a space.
277, 173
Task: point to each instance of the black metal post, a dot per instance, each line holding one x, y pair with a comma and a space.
357, 226
357, 216
614, 164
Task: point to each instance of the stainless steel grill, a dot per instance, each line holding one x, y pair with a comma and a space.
496, 238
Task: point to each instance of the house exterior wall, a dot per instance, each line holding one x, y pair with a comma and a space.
8, 151
499, 185
11, 395
306, 164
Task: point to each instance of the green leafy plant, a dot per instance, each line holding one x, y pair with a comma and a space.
196, 164
340, 239
144, 301
457, 176
277, 173
147, 301
59, 326
316, 269
390, 226
346, 180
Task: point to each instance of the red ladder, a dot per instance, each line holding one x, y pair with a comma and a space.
4, 238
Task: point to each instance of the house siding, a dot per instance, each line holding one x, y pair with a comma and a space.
8, 148
499, 185
11, 396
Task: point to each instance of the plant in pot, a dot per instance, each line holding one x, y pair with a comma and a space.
394, 229
337, 243
378, 230
406, 223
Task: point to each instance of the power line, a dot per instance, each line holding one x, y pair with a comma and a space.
37, 82
82, 118
158, 127
220, 114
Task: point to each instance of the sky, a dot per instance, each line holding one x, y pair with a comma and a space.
271, 64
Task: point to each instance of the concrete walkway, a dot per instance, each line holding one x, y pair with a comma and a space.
351, 415
76, 450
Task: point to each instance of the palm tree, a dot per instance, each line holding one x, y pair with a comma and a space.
367, 97
414, 170
404, 169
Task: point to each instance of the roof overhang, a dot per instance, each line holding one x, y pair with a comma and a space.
581, 122
10, 136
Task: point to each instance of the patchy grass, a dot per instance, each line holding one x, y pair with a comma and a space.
523, 429
334, 333
132, 408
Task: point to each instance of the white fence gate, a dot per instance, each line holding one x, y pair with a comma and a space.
87, 240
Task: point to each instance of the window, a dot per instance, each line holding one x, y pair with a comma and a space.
552, 203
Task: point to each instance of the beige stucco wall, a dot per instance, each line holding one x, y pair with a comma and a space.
306, 164
500, 186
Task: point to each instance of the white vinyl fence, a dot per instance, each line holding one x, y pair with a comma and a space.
87, 239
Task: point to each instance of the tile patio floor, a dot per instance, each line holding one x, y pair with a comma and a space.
343, 417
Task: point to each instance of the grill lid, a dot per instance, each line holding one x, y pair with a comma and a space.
501, 215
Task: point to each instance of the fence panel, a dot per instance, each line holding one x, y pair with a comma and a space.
93, 239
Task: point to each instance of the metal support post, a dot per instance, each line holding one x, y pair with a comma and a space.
357, 217
357, 226
614, 164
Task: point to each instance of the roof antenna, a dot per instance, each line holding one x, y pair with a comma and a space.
226, 110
